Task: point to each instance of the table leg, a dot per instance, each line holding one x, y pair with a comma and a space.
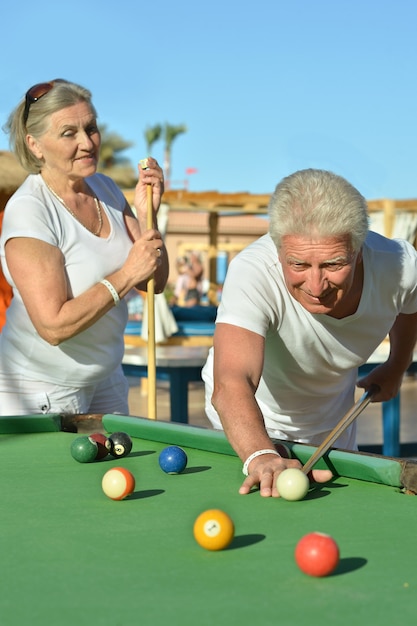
391, 427
178, 391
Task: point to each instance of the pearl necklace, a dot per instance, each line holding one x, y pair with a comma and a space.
98, 207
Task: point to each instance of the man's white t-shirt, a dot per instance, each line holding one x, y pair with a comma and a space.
311, 360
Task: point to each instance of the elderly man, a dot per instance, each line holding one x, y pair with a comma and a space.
302, 308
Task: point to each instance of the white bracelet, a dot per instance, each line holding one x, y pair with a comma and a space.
253, 456
112, 290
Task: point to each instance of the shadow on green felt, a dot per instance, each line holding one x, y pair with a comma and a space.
196, 469
144, 493
243, 541
348, 565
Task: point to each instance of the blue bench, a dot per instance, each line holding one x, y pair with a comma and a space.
195, 327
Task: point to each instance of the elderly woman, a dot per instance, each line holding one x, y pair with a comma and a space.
71, 248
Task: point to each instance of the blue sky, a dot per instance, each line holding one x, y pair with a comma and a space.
265, 88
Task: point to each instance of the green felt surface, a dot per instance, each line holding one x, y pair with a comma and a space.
72, 556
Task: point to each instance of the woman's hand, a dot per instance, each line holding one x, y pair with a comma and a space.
152, 175
145, 257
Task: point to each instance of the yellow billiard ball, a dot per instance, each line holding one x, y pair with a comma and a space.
214, 529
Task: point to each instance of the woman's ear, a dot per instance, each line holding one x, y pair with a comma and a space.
33, 146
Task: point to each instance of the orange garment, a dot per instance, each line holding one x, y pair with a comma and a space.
6, 292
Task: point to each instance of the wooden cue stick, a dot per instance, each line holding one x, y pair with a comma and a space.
151, 324
346, 420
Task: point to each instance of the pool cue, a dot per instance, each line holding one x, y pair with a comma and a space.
151, 322
346, 421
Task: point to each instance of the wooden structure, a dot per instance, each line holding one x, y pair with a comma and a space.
12, 176
390, 217
215, 205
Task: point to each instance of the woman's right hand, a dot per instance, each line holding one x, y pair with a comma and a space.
145, 258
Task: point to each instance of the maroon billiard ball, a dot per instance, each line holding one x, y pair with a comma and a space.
103, 445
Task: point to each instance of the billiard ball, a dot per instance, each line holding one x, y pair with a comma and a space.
103, 445
118, 483
173, 460
84, 449
120, 444
292, 484
317, 554
214, 529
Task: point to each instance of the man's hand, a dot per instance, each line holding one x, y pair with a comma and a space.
264, 471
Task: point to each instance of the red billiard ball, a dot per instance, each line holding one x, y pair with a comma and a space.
84, 449
120, 444
103, 445
317, 554
173, 460
214, 529
118, 483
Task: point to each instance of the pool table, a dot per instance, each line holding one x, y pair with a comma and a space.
70, 555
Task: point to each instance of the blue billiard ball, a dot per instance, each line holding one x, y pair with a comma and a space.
173, 460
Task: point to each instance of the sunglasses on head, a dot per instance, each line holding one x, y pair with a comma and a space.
35, 93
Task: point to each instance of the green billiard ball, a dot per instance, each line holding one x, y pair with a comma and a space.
84, 449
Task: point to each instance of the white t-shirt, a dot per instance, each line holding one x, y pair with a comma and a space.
311, 360
93, 354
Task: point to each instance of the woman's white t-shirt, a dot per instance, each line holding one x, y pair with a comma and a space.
93, 354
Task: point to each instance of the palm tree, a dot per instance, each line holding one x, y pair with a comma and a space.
111, 163
111, 145
171, 132
152, 134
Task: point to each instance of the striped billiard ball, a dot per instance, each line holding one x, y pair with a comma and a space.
118, 483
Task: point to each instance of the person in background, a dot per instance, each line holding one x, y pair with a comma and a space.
181, 283
195, 276
302, 308
188, 286
71, 248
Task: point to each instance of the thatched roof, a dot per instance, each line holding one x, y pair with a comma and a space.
12, 176
12, 173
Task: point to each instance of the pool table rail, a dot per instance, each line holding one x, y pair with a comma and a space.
391, 471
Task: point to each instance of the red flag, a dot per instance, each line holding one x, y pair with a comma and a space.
191, 170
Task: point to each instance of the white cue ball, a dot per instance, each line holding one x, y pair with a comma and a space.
292, 484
